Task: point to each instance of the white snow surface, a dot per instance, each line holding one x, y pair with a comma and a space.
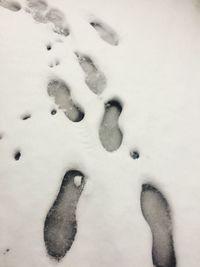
154, 72
77, 180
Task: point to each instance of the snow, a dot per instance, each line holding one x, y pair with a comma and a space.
78, 180
153, 71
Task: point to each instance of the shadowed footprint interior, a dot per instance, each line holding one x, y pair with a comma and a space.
11, 5
105, 32
61, 93
156, 212
109, 133
94, 79
60, 225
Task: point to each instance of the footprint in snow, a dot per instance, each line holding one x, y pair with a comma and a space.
62, 97
105, 32
11, 5
156, 212
109, 132
39, 12
60, 226
94, 79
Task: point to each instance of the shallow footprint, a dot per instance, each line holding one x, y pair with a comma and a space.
61, 93
109, 133
38, 5
156, 212
94, 79
56, 17
105, 32
60, 225
11, 5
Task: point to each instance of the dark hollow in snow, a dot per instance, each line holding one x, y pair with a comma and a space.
135, 154
62, 97
110, 134
17, 155
6, 251
105, 32
156, 212
94, 78
11, 5
1, 136
53, 112
60, 225
48, 47
25, 116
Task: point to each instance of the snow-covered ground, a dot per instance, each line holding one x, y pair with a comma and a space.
105, 94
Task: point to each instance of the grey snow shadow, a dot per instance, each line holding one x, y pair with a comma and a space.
94, 78
11, 5
109, 132
62, 97
105, 32
60, 225
156, 212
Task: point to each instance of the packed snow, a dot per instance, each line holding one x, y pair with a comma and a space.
107, 91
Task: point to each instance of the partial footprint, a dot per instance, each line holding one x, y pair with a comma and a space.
38, 5
95, 79
156, 212
62, 97
37, 9
58, 19
109, 133
105, 32
11, 5
60, 225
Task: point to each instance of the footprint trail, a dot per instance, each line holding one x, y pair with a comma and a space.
62, 97
60, 225
94, 79
109, 132
156, 212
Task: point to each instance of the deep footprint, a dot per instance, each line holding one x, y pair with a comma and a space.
60, 225
105, 32
11, 5
62, 97
156, 212
109, 133
94, 79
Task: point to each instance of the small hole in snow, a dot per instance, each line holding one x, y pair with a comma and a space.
53, 112
1, 136
25, 117
135, 154
17, 155
6, 251
49, 47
